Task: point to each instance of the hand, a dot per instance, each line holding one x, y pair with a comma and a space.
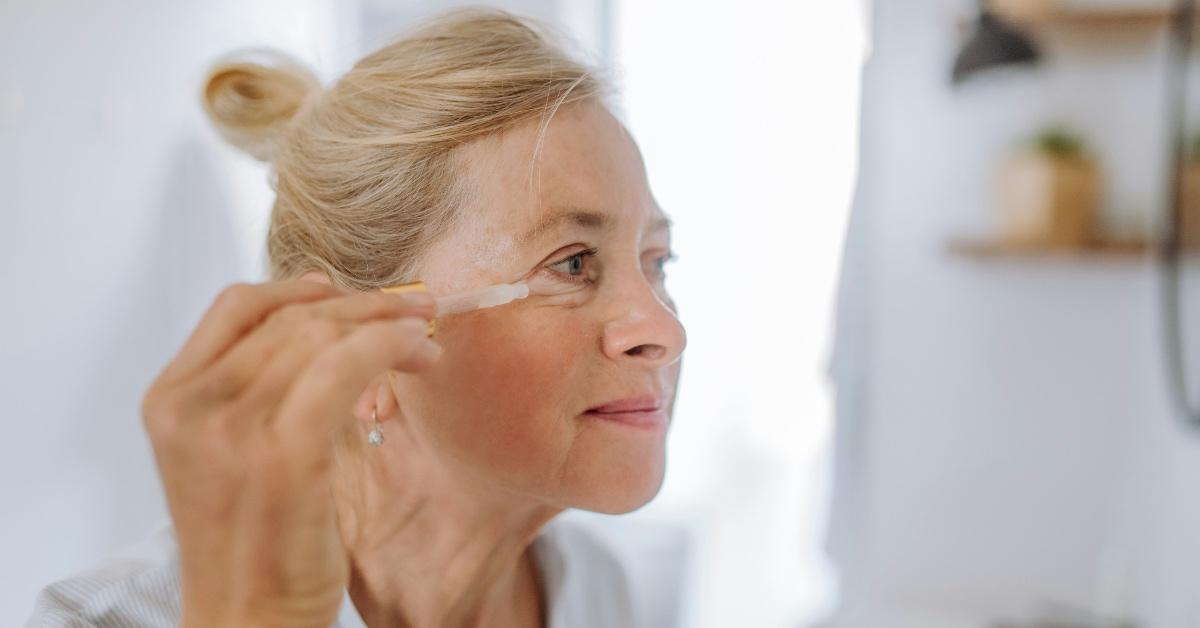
241, 423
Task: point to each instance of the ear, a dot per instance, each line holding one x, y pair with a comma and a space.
378, 397
317, 276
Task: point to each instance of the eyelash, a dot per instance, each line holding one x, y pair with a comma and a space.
664, 260
661, 263
569, 277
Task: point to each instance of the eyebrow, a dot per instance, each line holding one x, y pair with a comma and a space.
583, 218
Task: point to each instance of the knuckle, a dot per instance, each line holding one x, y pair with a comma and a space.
412, 304
235, 295
383, 303
401, 341
150, 403
290, 314
320, 331
407, 335
369, 305
166, 435
161, 410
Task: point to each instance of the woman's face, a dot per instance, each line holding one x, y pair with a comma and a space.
566, 397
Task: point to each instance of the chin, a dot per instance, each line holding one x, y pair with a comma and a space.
623, 489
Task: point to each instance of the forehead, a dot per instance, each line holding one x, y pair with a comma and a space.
585, 161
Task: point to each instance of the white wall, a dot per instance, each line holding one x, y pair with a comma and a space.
747, 119
1016, 447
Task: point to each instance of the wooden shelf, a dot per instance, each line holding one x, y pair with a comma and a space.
1122, 17
1102, 18
986, 249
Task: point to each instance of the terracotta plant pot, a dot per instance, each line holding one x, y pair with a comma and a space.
1189, 206
1024, 10
1049, 200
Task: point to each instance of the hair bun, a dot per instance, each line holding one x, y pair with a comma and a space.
251, 95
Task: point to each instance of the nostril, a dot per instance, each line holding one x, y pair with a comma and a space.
649, 351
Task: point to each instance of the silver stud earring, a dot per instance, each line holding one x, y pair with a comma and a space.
376, 435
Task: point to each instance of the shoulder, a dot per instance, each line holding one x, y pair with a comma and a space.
607, 570
138, 585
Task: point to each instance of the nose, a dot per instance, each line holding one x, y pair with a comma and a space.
643, 329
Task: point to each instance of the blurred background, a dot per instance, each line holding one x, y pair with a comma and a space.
937, 262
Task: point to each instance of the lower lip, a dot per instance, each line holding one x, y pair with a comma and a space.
646, 419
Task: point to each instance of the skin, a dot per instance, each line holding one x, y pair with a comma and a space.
500, 419
489, 426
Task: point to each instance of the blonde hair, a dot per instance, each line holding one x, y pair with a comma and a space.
365, 173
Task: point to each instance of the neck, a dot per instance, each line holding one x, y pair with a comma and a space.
456, 557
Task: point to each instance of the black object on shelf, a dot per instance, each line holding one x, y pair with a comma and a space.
994, 43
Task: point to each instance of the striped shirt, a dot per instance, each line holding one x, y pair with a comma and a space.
592, 580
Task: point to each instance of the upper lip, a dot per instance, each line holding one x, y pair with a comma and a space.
640, 403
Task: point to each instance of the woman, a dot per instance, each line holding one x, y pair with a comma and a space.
472, 153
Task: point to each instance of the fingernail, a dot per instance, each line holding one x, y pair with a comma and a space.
420, 299
411, 324
429, 351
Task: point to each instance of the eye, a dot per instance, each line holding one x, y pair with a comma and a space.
572, 268
659, 268
661, 262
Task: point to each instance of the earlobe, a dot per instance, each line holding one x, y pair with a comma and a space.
377, 399
385, 399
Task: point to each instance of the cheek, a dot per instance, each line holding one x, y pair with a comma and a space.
671, 382
504, 395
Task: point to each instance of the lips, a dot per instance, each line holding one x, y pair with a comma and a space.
643, 403
639, 411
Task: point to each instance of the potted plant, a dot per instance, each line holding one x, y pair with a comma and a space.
1189, 197
1050, 191
1023, 10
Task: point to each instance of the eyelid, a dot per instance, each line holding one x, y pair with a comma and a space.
664, 256
660, 259
559, 280
660, 262
558, 259
588, 250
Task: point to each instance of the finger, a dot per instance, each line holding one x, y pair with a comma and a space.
262, 396
364, 306
322, 321
266, 393
321, 399
234, 312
